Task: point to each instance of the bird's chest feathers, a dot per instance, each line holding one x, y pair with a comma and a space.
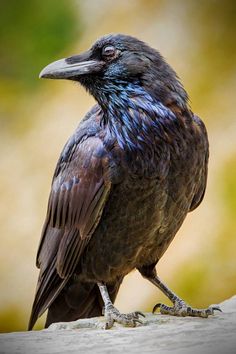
137, 123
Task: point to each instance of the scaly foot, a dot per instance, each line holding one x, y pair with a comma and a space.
113, 315
180, 308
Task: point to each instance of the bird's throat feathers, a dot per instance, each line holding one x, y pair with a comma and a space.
135, 119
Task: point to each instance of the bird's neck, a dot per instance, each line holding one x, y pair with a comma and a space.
135, 119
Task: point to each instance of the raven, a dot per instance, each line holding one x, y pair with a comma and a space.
123, 185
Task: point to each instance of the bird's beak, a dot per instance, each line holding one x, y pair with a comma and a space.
70, 68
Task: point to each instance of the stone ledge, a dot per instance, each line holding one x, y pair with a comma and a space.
158, 334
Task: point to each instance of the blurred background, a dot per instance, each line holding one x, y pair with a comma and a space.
37, 116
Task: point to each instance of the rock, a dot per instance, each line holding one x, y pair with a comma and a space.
158, 334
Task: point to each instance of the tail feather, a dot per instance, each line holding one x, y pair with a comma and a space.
49, 286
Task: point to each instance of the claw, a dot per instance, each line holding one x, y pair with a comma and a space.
156, 307
216, 308
138, 313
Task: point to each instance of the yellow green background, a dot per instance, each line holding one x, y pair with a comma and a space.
36, 117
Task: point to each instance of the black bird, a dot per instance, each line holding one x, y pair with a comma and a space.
123, 185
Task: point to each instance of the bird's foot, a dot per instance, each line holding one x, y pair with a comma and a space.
113, 315
180, 308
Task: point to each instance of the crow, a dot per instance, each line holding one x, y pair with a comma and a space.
124, 183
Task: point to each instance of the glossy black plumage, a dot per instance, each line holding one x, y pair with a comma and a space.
125, 181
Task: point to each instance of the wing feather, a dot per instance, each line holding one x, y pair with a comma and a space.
78, 195
75, 205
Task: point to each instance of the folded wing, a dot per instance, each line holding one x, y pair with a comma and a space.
79, 192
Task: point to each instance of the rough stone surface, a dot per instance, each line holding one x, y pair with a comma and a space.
158, 334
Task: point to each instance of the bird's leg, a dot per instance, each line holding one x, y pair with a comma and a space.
179, 308
113, 315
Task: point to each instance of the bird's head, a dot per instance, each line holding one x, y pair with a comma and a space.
116, 61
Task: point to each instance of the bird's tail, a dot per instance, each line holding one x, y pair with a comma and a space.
49, 286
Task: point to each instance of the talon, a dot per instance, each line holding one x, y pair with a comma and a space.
156, 307
216, 308
138, 313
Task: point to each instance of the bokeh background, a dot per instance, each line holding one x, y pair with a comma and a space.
36, 117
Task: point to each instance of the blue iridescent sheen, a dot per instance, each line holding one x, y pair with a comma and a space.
135, 118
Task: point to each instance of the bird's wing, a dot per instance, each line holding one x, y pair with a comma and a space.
79, 192
80, 188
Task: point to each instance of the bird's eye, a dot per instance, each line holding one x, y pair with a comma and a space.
108, 51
